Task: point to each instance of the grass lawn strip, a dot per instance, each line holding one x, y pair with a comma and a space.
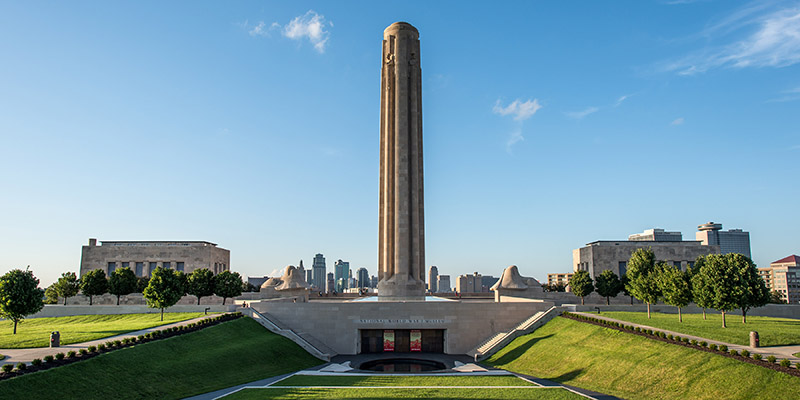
498, 393
771, 331
217, 357
35, 332
633, 367
379, 380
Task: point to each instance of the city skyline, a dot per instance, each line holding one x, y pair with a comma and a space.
255, 126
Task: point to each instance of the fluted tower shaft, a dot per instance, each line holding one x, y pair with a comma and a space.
401, 240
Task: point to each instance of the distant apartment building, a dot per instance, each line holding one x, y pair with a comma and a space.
443, 284
602, 255
469, 283
558, 279
142, 257
783, 276
433, 275
656, 235
319, 269
730, 241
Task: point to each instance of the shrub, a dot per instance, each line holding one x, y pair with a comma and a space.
117, 343
677, 338
71, 354
7, 367
92, 349
712, 346
693, 342
734, 352
686, 340
110, 344
745, 353
704, 343
101, 347
669, 336
140, 338
771, 359
756, 356
83, 352
36, 362
60, 356
48, 359
784, 363
22, 366
723, 348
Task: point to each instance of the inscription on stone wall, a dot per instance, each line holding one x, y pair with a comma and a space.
403, 321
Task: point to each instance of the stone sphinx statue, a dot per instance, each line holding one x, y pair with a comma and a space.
512, 284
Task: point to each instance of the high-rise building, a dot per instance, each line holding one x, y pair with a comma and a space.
730, 241
433, 275
656, 235
469, 283
373, 281
783, 276
363, 278
310, 277
341, 274
319, 272
330, 283
443, 284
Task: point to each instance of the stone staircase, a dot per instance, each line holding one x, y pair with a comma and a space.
500, 340
304, 340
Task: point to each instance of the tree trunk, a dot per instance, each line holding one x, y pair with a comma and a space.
117, 299
15, 327
648, 310
198, 300
90, 300
162, 314
704, 313
608, 301
223, 301
723, 319
65, 301
744, 316
631, 299
680, 317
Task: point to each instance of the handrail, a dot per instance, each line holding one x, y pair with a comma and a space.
288, 333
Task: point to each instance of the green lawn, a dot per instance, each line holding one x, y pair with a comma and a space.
384, 380
416, 393
633, 367
35, 332
771, 331
214, 358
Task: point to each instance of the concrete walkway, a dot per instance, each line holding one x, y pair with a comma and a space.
780, 352
14, 356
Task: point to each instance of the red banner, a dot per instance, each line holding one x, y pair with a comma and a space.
388, 340
416, 340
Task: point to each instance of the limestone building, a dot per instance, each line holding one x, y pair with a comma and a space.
142, 257
602, 255
783, 276
469, 283
730, 241
656, 235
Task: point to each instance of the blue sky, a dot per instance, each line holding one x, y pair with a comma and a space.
254, 125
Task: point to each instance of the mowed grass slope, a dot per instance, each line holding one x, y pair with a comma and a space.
217, 357
35, 332
633, 367
394, 380
771, 331
410, 393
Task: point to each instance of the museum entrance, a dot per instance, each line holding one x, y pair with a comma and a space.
402, 341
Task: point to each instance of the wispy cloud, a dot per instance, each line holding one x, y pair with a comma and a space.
765, 38
311, 26
259, 30
581, 114
677, 121
787, 95
520, 110
621, 99
514, 138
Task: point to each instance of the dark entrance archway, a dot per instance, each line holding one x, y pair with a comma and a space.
372, 340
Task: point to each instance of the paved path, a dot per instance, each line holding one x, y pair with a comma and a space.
779, 352
14, 356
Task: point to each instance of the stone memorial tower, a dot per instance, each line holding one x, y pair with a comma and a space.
401, 237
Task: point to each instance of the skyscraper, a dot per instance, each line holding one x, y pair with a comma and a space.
319, 272
433, 281
331, 284
730, 241
341, 275
363, 278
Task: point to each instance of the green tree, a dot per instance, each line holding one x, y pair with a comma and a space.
94, 283
200, 283
164, 289
623, 281
20, 295
580, 283
675, 286
50, 295
67, 286
775, 297
702, 294
753, 292
227, 284
722, 282
642, 277
183, 278
608, 285
141, 284
122, 282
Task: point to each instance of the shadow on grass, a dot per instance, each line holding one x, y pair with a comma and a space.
567, 376
517, 352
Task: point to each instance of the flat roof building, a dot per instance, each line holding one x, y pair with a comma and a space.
656, 235
142, 257
602, 255
783, 276
559, 279
730, 241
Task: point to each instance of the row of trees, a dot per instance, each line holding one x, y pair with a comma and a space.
200, 283
723, 282
20, 294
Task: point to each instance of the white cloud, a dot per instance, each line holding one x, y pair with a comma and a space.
514, 138
677, 121
311, 26
621, 99
259, 30
582, 114
520, 110
773, 40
